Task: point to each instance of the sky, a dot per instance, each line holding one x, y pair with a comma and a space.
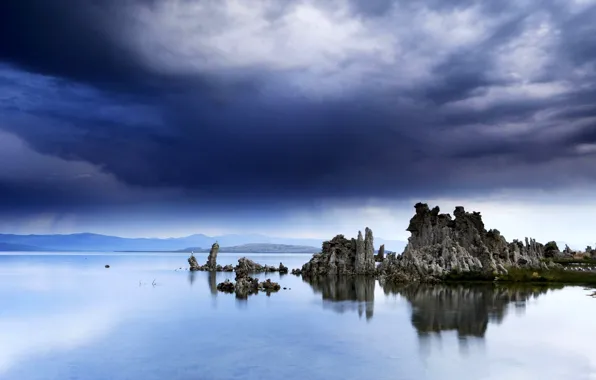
299, 118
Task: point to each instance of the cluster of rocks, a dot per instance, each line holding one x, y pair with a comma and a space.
551, 250
341, 256
439, 245
246, 285
211, 264
250, 266
244, 264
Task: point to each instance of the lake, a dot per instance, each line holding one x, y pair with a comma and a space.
66, 317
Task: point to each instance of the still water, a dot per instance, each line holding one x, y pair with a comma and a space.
64, 316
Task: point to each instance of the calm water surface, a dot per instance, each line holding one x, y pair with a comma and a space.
64, 316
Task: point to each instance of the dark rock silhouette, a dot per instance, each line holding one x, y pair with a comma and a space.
227, 286
381, 254
269, 286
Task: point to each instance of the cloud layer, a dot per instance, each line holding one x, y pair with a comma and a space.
253, 102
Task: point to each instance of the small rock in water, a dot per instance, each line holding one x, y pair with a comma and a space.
107, 266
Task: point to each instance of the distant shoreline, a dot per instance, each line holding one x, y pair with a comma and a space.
222, 251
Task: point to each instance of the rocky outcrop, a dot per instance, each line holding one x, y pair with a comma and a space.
246, 285
227, 286
269, 286
210, 265
194, 265
250, 266
296, 271
244, 264
441, 245
341, 256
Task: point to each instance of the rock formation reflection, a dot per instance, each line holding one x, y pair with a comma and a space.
213, 283
342, 294
466, 309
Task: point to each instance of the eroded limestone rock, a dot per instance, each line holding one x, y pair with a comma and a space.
341, 256
194, 265
211, 264
442, 245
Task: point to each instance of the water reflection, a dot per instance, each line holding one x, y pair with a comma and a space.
466, 309
213, 283
342, 294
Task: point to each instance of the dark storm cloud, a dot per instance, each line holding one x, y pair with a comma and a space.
81, 82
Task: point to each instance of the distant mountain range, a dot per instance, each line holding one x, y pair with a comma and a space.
19, 247
96, 242
259, 248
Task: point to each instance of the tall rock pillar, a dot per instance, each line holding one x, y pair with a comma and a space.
360, 259
369, 251
212, 258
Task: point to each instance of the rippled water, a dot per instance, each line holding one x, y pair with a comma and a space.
64, 316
